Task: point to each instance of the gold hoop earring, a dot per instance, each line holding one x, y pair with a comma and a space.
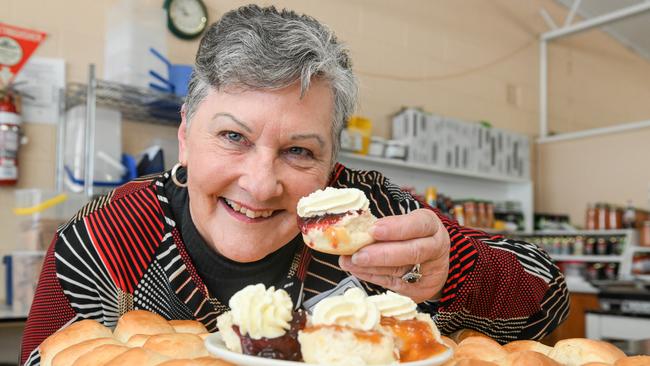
174, 179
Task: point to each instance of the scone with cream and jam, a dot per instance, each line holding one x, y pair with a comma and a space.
262, 323
335, 220
416, 336
354, 329
345, 330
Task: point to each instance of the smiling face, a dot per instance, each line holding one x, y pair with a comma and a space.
250, 156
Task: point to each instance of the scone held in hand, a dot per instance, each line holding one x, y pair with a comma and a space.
335, 220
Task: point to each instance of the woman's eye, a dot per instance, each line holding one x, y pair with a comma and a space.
300, 151
233, 137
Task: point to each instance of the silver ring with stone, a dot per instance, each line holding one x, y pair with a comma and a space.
413, 275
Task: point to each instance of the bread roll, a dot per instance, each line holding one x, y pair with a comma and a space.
459, 335
137, 357
578, 351
204, 335
469, 362
526, 345
140, 322
72, 334
69, 355
633, 361
201, 361
479, 348
177, 345
188, 326
137, 340
448, 342
100, 355
596, 364
527, 358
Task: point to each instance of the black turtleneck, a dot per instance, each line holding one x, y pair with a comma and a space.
223, 276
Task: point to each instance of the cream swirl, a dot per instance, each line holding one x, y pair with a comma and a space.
352, 309
394, 305
332, 201
261, 312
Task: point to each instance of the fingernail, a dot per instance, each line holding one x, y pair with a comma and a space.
360, 258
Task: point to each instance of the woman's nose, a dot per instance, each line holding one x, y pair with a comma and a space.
260, 178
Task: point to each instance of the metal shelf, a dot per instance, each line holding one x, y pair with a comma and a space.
587, 258
135, 104
580, 232
428, 168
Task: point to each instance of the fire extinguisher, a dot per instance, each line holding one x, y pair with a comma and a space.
10, 137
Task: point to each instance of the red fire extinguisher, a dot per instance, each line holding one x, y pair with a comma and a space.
9, 140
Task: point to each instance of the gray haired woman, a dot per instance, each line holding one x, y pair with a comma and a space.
269, 95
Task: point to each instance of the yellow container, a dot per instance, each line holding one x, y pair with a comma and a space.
362, 127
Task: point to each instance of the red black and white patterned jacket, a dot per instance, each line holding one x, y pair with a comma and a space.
123, 251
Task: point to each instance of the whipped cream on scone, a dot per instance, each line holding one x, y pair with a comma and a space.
335, 220
345, 330
262, 323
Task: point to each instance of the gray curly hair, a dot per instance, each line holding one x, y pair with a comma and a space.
262, 48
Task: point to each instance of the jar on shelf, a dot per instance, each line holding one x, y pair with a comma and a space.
591, 219
614, 245
602, 211
615, 218
459, 214
611, 270
644, 237
481, 214
469, 207
593, 271
601, 246
578, 245
590, 246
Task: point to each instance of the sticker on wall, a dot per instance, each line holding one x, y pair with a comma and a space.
16, 46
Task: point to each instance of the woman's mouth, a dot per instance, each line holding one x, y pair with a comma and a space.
251, 214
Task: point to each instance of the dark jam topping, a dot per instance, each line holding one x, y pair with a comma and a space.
321, 221
285, 347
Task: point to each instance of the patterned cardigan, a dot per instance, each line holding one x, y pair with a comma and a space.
123, 251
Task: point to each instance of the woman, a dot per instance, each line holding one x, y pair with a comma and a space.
267, 101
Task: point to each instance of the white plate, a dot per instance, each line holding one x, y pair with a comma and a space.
215, 345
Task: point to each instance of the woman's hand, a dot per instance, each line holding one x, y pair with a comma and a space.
401, 242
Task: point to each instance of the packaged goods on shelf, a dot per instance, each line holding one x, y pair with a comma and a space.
457, 145
599, 255
608, 216
479, 214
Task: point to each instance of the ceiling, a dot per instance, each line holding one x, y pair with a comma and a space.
634, 32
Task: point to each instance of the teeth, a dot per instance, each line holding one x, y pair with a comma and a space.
249, 213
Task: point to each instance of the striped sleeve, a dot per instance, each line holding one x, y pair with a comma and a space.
504, 288
49, 312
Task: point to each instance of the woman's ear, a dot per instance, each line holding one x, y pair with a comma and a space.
182, 137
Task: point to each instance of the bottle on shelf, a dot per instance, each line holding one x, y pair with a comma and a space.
629, 216
459, 214
615, 218
578, 246
431, 196
602, 210
591, 221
